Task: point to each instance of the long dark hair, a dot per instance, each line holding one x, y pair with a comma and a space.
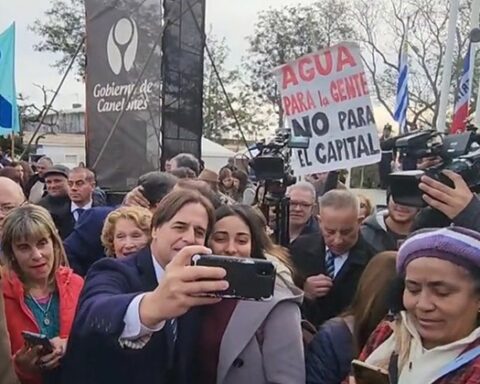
251, 219
261, 243
370, 304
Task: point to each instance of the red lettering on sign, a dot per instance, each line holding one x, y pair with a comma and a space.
306, 73
298, 103
345, 58
289, 77
323, 64
349, 87
325, 68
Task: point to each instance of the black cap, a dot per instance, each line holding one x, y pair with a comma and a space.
58, 169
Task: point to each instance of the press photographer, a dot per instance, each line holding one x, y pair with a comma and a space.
447, 187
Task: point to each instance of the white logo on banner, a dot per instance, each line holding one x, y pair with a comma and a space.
325, 97
122, 45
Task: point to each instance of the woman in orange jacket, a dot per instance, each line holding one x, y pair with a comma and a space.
39, 290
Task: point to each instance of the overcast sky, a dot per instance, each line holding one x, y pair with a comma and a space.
232, 19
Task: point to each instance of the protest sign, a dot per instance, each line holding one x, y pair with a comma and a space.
325, 97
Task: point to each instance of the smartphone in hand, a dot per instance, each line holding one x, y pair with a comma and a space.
249, 279
368, 374
33, 339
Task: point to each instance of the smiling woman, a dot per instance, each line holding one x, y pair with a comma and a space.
37, 286
126, 231
440, 324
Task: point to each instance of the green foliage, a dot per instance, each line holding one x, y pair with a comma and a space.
284, 34
6, 145
62, 29
218, 118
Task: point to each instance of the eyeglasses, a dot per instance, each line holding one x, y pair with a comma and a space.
7, 208
300, 204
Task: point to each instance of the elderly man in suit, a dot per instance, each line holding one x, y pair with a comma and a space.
70, 194
136, 319
330, 263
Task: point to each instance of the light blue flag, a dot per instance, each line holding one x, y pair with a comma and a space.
8, 96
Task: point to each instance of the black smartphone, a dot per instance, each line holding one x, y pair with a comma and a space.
368, 374
249, 279
33, 339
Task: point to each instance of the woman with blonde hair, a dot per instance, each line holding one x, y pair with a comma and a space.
366, 207
126, 231
40, 292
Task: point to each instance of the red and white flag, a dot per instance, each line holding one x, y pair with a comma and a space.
462, 103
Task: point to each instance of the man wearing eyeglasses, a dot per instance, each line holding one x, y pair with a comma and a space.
302, 206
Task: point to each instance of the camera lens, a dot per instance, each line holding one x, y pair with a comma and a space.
264, 270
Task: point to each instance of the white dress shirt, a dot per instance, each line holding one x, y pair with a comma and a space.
74, 207
134, 329
339, 261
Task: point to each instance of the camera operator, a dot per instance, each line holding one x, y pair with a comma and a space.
448, 205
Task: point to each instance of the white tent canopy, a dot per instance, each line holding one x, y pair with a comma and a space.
214, 155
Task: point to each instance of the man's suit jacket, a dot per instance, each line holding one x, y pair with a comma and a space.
60, 209
308, 256
94, 354
84, 245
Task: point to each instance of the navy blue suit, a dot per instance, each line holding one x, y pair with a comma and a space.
94, 355
84, 245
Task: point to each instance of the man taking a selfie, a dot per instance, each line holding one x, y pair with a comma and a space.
135, 320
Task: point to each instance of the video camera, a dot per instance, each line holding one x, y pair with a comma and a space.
273, 172
273, 160
456, 151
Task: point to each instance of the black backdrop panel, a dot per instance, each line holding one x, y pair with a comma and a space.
182, 67
121, 35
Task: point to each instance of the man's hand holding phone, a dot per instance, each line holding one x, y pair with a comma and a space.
181, 288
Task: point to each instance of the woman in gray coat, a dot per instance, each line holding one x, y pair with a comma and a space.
245, 342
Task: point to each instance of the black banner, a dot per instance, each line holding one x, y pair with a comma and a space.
183, 49
123, 125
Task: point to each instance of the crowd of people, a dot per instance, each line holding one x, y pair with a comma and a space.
114, 293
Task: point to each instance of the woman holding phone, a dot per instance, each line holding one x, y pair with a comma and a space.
39, 290
246, 341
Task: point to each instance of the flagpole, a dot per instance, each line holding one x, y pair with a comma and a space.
13, 145
447, 67
474, 23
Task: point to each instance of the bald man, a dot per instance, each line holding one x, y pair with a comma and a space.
11, 197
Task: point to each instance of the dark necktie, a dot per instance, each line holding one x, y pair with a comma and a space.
79, 212
171, 328
330, 264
